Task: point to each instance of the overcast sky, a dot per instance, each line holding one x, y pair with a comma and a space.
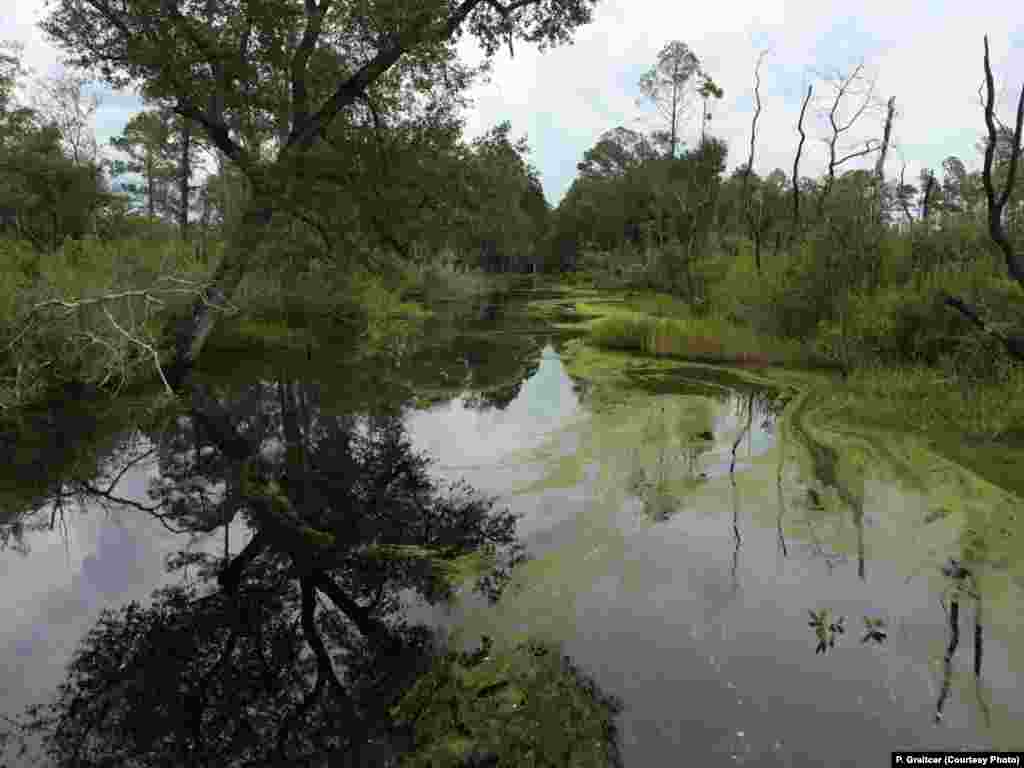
926, 53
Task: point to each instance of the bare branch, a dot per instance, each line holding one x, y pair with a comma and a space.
107, 494
148, 347
845, 87
871, 145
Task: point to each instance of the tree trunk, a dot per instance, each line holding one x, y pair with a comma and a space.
184, 176
757, 249
795, 231
151, 186
689, 270
192, 331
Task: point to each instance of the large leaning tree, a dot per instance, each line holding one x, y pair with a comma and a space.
221, 63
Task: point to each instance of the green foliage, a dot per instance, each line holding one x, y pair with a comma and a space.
667, 84
391, 322
524, 706
47, 344
622, 331
826, 629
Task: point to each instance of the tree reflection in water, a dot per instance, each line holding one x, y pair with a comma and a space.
296, 649
962, 584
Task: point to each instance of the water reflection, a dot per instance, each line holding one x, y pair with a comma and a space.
681, 543
293, 646
686, 443
677, 539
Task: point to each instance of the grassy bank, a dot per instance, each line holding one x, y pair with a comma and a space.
706, 339
975, 417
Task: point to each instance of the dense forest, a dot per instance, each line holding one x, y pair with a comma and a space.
860, 269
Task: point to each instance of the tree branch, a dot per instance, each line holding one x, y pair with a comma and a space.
868, 149
324, 666
371, 628
315, 15
148, 347
231, 576
357, 84
1014, 344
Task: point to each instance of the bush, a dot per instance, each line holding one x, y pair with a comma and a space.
621, 331
787, 301
910, 324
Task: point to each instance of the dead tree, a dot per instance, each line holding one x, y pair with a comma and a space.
997, 202
753, 226
846, 86
901, 195
996, 205
796, 165
880, 192
926, 193
886, 135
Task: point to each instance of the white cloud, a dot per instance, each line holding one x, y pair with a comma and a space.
925, 54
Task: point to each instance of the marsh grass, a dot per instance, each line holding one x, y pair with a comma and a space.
708, 339
926, 399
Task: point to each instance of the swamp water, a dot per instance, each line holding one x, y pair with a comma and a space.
754, 586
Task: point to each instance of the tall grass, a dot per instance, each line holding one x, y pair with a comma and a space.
929, 398
709, 339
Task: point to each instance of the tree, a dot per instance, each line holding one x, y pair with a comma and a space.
146, 140
927, 186
294, 649
708, 89
748, 214
954, 176
60, 101
858, 87
215, 62
500, 182
997, 200
697, 177
184, 146
46, 194
617, 152
905, 194
666, 86
796, 230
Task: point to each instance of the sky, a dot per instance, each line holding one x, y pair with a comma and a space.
925, 53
